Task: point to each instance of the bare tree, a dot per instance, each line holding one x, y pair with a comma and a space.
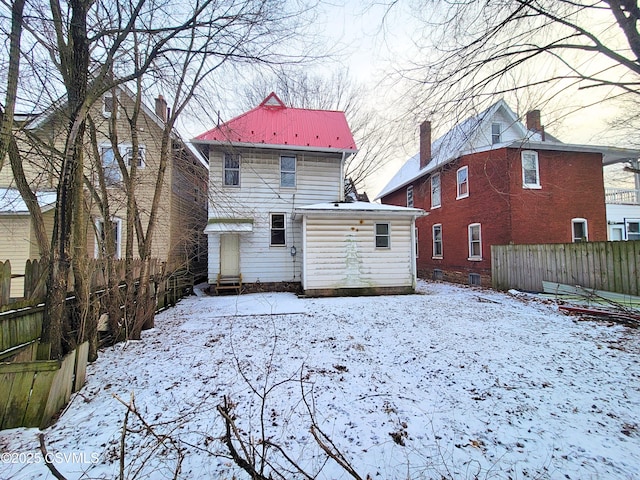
471, 51
81, 49
298, 88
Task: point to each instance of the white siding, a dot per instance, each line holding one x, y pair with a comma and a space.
617, 213
509, 132
341, 253
318, 179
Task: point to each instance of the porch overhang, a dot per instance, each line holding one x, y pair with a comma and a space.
229, 225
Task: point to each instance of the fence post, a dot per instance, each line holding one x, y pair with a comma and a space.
5, 282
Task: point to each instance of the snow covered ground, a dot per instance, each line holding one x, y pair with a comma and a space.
453, 381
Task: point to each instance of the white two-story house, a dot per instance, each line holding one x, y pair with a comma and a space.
277, 215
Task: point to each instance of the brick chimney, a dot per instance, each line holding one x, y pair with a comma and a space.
534, 124
161, 108
425, 143
533, 120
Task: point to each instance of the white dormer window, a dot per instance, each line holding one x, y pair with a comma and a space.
496, 133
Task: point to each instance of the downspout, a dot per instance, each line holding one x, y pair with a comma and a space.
414, 267
342, 162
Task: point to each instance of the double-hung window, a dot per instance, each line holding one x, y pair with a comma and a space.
496, 133
530, 169
437, 241
435, 190
462, 176
288, 171
278, 229
111, 169
231, 170
475, 242
383, 235
579, 230
410, 196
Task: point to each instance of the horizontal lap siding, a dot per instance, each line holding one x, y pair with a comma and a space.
259, 195
341, 253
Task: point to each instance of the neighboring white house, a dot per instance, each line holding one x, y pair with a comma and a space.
268, 168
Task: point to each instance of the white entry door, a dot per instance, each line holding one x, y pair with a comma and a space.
230, 255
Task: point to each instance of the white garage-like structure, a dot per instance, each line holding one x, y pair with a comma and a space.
358, 248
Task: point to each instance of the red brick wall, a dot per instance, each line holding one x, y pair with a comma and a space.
572, 187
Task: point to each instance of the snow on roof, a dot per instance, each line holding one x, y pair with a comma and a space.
11, 201
273, 124
463, 138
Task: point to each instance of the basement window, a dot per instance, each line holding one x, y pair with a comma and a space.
474, 279
437, 274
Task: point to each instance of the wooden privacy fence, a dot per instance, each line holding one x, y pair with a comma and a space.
33, 390
609, 266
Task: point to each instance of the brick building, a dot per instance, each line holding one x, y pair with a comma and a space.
492, 181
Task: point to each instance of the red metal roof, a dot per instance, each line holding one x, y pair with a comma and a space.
273, 123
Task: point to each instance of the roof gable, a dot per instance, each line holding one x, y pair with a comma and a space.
471, 135
274, 124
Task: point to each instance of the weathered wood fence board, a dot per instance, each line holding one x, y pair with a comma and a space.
18, 329
609, 266
33, 392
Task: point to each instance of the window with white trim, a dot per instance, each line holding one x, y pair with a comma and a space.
110, 167
462, 176
579, 230
416, 242
496, 133
278, 229
435, 190
129, 160
530, 169
383, 235
410, 196
102, 247
231, 173
288, 171
437, 240
632, 228
475, 242
108, 104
